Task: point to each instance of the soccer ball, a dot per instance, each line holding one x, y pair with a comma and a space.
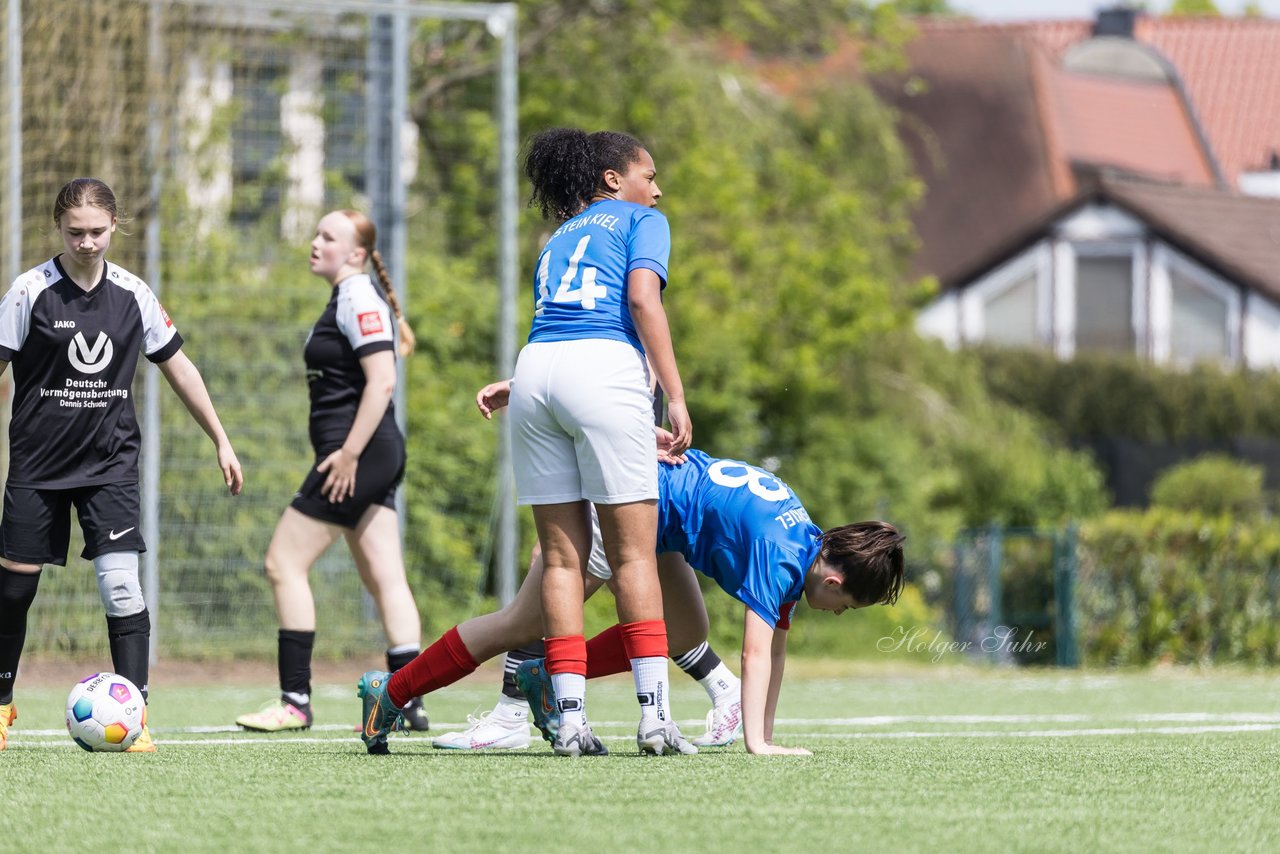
105, 712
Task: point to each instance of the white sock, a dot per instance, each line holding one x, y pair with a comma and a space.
571, 697
298, 700
651, 688
512, 709
721, 685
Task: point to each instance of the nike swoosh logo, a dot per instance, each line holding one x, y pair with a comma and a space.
114, 536
370, 726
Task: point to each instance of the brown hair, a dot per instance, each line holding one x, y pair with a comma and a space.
870, 554
366, 237
82, 192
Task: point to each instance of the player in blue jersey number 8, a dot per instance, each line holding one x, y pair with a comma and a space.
581, 410
73, 327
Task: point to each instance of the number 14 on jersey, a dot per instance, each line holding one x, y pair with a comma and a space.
585, 294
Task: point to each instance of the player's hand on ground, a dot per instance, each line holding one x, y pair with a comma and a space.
769, 749
493, 397
231, 473
681, 427
665, 439
340, 484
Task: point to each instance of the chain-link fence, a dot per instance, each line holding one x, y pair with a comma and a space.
227, 128
1012, 595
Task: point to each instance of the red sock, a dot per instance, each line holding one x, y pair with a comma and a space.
645, 639
567, 655
443, 663
607, 654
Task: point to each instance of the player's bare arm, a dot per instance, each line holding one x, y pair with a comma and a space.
759, 689
185, 380
644, 297
778, 666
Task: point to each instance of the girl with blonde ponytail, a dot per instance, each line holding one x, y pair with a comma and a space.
359, 463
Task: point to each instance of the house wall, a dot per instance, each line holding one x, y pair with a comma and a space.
1261, 332
205, 173
1178, 310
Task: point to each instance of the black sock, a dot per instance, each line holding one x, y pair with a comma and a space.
17, 592
130, 639
294, 661
537, 649
396, 660
699, 661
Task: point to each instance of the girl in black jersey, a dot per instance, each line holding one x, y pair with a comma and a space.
72, 327
350, 491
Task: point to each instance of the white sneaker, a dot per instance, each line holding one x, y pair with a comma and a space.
504, 728
724, 725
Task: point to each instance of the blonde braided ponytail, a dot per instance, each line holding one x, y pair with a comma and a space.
367, 234
407, 338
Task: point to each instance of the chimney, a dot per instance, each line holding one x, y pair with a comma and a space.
1116, 21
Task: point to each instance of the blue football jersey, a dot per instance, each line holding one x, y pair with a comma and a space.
740, 526
580, 285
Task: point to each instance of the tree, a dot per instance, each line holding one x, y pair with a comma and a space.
924, 7
1193, 8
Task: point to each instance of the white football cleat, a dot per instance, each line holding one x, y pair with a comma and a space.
724, 725
504, 728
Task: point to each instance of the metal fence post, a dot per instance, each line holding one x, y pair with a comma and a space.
503, 25
995, 592
1064, 583
961, 592
154, 273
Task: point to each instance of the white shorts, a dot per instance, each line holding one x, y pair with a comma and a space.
597, 563
581, 418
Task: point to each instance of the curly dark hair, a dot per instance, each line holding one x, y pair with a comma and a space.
566, 167
870, 553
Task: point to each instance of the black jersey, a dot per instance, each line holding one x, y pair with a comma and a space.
74, 354
355, 323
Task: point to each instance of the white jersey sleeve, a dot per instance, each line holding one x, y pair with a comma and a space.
158, 328
364, 317
15, 310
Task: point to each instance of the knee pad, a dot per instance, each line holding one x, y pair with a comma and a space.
118, 583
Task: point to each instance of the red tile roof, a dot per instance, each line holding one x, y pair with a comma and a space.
972, 124
1131, 124
1229, 66
996, 128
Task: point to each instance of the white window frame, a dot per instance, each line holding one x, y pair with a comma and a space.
1166, 260
1067, 264
1035, 262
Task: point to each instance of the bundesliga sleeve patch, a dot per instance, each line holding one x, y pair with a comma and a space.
165, 315
370, 323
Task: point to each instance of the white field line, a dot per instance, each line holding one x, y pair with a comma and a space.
867, 721
1045, 733
1208, 722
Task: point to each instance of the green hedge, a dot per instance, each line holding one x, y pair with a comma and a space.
1213, 484
1185, 588
1098, 396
